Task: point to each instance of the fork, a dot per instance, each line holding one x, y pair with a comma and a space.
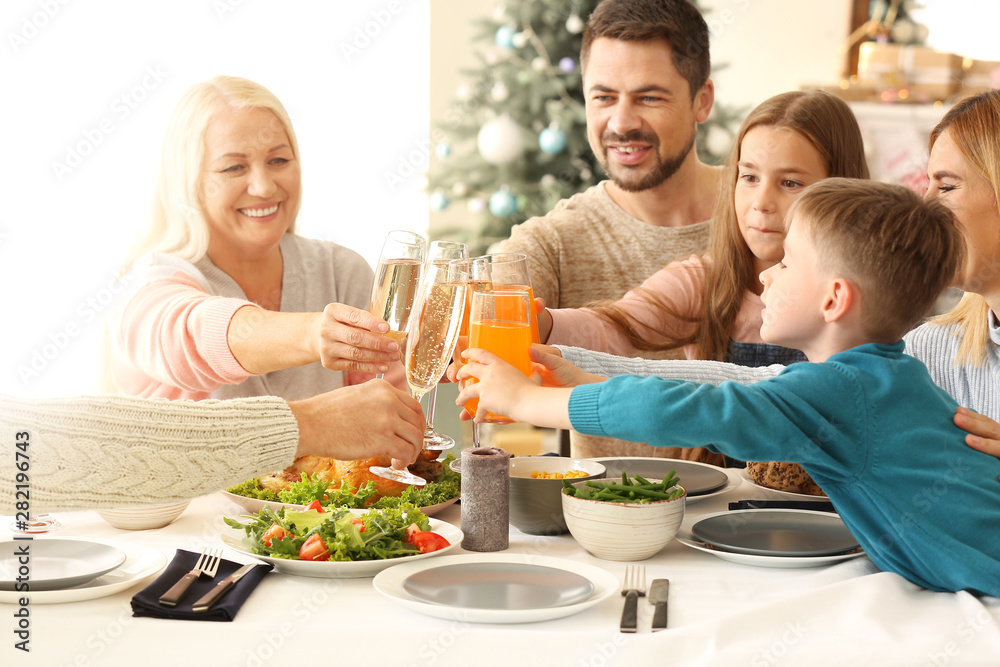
633, 587
207, 564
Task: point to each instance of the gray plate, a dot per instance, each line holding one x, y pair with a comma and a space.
55, 564
500, 586
773, 532
696, 478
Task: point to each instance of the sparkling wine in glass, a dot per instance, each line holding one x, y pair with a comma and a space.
432, 335
438, 252
396, 280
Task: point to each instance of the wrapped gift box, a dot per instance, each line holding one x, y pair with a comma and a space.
980, 76
928, 74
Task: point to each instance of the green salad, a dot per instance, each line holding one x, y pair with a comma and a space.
338, 534
310, 488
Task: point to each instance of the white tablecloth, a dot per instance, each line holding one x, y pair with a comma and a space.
720, 614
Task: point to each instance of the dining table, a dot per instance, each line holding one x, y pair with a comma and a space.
719, 612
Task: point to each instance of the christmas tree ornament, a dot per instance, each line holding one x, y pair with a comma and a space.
539, 64
503, 203
718, 140
586, 173
499, 92
524, 77
439, 200
460, 189
567, 65
500, 11
476, 205
443, 149
463, 93
520, 40
548, 180
522, 203
552, 140
504, 36
574, 24
500, 140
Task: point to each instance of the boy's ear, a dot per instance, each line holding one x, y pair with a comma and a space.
838, 299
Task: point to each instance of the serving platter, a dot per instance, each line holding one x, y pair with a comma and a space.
777, 493
141, 564
237, 540
391, 583
254, 506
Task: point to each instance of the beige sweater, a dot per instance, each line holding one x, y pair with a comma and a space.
114, 451
589, 249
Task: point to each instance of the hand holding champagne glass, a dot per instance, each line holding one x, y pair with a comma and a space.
396, 280
433, 332
441, 252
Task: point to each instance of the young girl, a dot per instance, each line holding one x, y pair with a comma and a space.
711, 304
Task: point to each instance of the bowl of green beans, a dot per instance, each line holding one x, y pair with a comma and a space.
626, 519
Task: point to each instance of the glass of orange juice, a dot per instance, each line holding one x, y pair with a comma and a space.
509, 271
500, 323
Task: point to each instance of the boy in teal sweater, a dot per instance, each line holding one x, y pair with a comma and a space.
863, 263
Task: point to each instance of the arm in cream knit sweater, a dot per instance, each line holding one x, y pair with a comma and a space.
111, 451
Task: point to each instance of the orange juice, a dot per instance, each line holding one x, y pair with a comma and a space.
517, 316
509, 340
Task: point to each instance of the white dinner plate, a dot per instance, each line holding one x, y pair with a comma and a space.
254, 506
236, 539
489, 585
141, 564
789, 562
390, 583
54, 563
774, 493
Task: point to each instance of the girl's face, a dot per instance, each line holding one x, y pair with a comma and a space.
250, 183
955, 183
775, 165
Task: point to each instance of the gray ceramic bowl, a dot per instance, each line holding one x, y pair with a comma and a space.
536, 504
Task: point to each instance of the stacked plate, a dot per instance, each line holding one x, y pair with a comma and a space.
773, 537
67, 570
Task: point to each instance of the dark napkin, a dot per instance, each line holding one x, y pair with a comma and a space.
816, 505
147, 601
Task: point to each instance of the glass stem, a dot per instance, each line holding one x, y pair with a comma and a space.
429, 413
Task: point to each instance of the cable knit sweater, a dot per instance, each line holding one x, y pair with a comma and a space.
115, 451
975, 387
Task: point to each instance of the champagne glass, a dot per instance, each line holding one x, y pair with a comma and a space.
396, 282
438, 252
433, 332
501, 323
509, 271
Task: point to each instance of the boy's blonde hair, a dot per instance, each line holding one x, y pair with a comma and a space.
974, 125
178, 226
900, 250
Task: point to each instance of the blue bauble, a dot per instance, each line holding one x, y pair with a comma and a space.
443, 149
503, 203
552, 140
567, 65
439, 201
505, 36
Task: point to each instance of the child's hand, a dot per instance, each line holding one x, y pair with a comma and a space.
556, 371
500, 387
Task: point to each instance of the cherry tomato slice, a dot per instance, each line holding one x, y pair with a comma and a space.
314, 549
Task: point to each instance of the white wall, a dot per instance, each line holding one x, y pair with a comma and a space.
99, 78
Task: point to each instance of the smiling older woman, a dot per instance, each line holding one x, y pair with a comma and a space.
224, 299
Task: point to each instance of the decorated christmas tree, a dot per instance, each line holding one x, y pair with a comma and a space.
514, 142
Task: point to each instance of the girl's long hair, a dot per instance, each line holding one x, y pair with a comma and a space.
827, 123
973, 124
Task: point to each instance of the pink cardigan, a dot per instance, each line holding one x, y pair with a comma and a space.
683, 283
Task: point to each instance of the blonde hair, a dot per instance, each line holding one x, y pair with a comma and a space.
827, 123
178, 225
900, 250
973, 125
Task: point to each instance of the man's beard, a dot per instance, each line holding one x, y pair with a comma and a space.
662, 170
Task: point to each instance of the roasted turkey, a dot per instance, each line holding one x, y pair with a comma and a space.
352, 473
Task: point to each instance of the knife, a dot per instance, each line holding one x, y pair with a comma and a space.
658, 596
221, 588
